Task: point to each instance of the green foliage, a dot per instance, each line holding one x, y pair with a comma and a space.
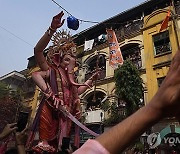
129, 86
129, 89
10, 101
105, 106
4, 90
115, 115
138, 145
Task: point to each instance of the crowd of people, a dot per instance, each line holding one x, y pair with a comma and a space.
7, 134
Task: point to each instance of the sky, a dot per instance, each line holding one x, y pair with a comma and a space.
23, 22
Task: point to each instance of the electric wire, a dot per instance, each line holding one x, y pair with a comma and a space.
72, 15
95, 22
16, 36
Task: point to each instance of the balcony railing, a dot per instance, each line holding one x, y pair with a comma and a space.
129, 30
133, 54
162, 48
102, 75
95, 116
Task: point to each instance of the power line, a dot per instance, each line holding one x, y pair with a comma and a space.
62, 7
95, 22
72, 15
16, 36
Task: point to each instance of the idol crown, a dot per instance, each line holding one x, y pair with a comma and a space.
63, 43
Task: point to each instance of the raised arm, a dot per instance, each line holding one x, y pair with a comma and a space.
164, 104
57, 22
39, 78
21, 138
8, 129
89, 82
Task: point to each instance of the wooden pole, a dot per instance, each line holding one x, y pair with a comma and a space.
97, 67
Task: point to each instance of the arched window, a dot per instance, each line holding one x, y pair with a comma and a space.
94, 100
132, 52
92, 63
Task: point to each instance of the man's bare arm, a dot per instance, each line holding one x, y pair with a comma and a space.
166, 103
122, 135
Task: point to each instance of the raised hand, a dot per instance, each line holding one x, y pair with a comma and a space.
57, 102
21, 137
57, 21
8, 129
53, 100
167, 99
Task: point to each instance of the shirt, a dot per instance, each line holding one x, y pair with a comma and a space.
91, 147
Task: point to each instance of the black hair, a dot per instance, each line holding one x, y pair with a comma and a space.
12, 151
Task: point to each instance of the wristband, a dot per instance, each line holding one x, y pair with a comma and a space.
50, 29
71, 72
53, 30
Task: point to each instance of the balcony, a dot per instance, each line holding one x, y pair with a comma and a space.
129, 30
102, 75
96, 116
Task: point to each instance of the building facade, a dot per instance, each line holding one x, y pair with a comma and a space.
140, 39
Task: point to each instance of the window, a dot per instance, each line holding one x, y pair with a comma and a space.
134, 54
92, 67
160, 80
161, 43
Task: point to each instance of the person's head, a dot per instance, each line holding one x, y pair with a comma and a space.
12, 151
30, 151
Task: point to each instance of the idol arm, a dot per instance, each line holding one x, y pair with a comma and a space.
39, 78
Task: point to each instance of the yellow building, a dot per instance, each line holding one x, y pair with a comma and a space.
159, 47
34, 95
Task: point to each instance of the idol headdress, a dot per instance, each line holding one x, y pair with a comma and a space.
62, 44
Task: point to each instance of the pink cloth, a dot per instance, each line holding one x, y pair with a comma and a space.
91, 147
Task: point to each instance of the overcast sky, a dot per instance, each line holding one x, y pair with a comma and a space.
23, 22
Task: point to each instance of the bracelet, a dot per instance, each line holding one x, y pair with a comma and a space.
50, 29
53, 30
71, 72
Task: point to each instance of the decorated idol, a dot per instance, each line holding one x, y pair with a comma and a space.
56, 80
